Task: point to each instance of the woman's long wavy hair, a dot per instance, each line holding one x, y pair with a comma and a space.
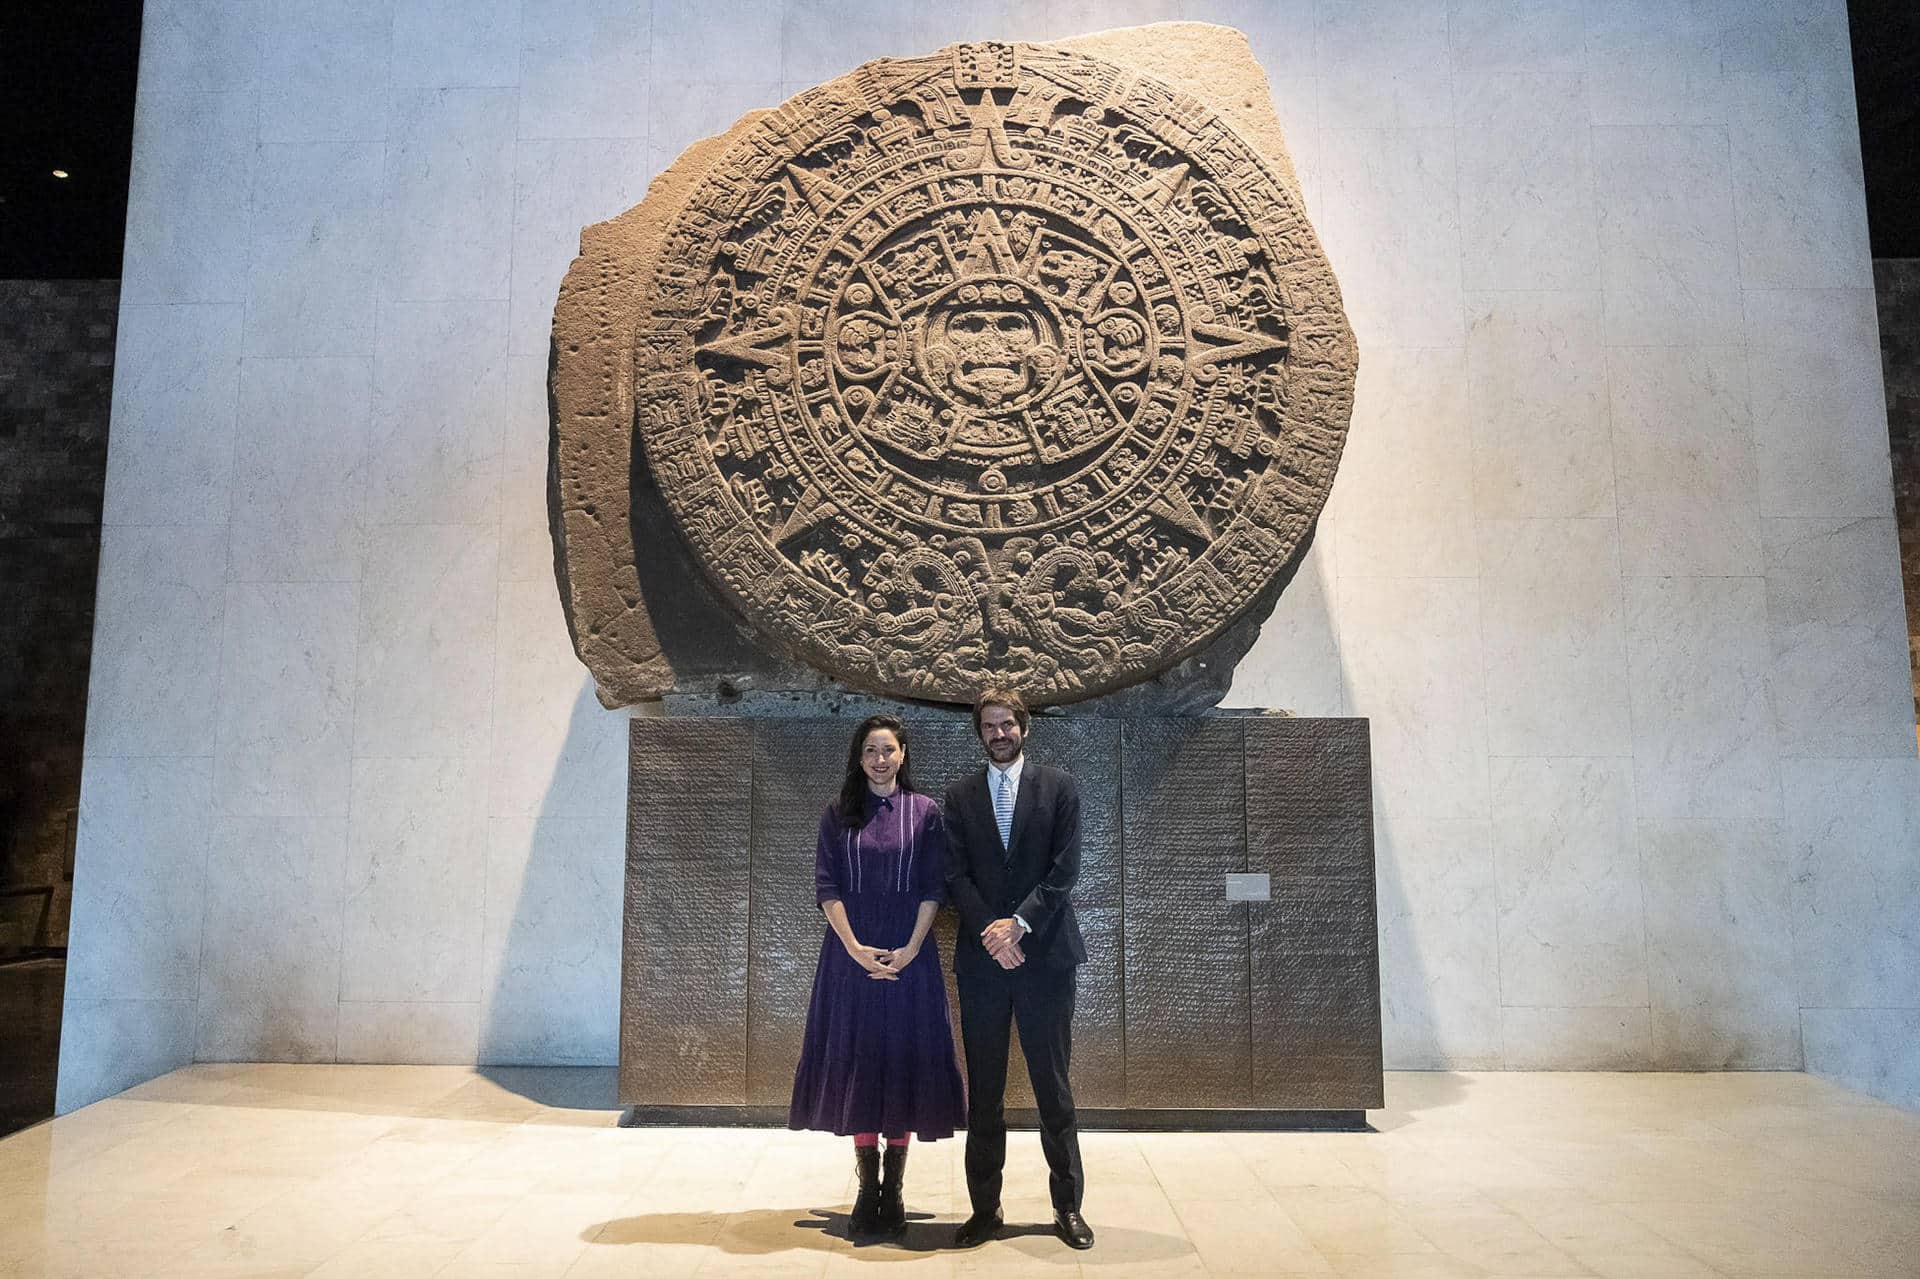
853, 790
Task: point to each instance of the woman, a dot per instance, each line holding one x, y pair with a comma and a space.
878, 1057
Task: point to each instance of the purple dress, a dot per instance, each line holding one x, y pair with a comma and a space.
878, 1055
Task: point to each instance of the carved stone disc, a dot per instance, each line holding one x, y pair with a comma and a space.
1003, 364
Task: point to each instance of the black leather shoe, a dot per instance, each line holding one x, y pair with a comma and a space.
978, 1228
1073, 1229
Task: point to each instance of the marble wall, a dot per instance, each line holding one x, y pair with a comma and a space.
1611, 565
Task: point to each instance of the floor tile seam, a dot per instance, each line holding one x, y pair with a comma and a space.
1693, 1249
364, 1236
409, 1204
120, 1140
1275, 1207
1544, 1242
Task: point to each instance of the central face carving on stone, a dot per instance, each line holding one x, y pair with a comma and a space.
993, 347
991, 344
1001, 363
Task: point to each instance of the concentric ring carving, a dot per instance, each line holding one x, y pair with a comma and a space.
1006, 363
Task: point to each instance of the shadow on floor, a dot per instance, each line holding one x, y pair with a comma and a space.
558, 1087
1411, 1092
768, 1230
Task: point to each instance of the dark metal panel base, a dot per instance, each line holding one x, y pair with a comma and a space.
1194, 1011
1106, 1120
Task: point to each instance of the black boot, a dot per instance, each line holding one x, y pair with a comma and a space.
865, 1219
892, 1212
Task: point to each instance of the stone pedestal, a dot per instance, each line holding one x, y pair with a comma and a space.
1194, 1011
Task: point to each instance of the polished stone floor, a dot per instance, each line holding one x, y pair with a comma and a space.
367, 1171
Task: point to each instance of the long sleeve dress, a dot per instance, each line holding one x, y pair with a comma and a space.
878, 1055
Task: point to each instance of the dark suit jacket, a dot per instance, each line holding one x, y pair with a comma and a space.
1032, 880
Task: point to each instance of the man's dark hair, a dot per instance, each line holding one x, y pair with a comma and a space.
998, 696
853, 789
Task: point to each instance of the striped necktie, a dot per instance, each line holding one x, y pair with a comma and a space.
1003, 807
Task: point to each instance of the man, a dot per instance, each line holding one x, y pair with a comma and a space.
1013, 854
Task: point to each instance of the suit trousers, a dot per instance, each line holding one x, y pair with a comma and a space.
1040, 1000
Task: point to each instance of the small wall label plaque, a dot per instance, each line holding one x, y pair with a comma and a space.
1248, 888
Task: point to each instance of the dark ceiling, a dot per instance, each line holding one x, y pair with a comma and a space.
1886, 85
66, 102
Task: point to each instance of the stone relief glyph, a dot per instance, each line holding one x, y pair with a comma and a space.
1007, 363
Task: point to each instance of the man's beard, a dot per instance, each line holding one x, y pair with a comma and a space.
1003, 750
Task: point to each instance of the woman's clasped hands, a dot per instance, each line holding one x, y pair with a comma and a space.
882, 965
